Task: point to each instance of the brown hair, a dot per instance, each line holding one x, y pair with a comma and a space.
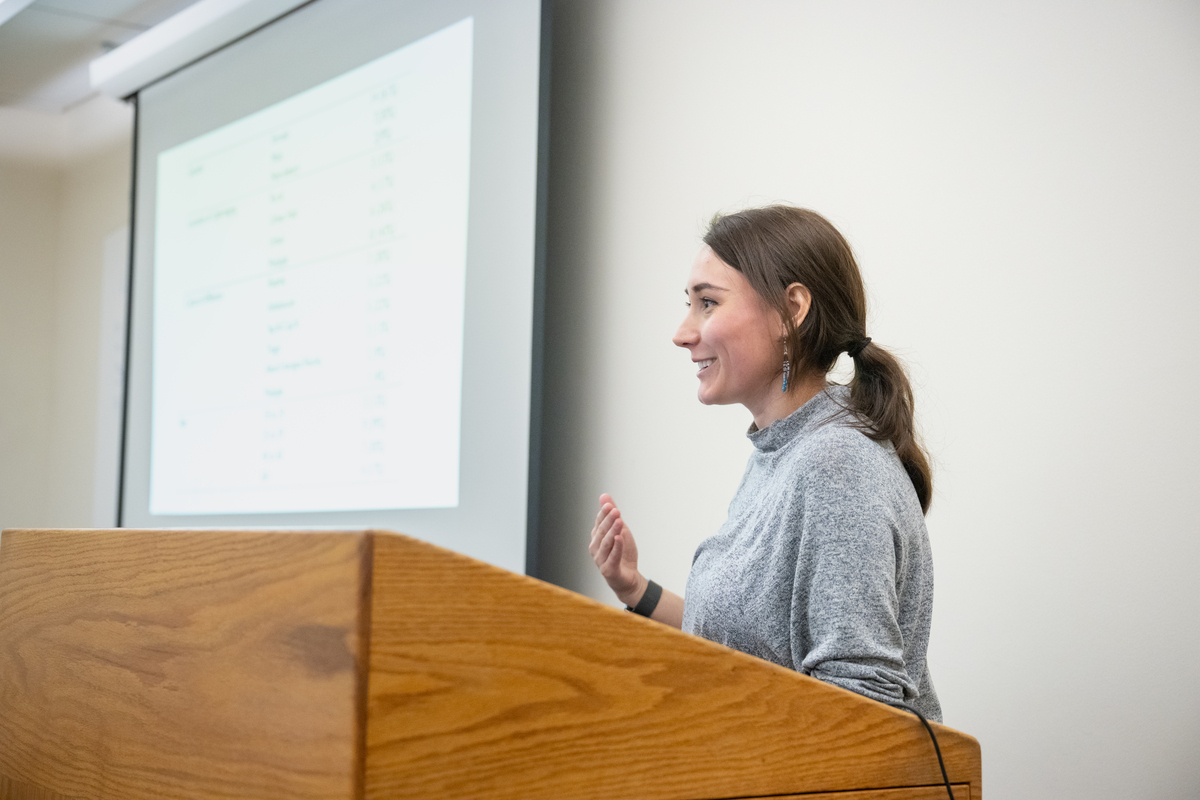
776, 246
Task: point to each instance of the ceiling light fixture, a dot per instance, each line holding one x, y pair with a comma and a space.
10, 8
191, 34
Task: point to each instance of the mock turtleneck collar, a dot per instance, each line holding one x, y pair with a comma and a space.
821, 407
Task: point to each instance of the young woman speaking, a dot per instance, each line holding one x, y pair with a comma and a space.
823, 563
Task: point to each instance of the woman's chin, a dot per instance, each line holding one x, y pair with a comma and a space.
709, 397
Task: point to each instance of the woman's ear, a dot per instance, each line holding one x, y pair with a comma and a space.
799, 301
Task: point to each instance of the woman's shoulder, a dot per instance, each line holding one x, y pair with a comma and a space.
838, 449
841, 436
845, 468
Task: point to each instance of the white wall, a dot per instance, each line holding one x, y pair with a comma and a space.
1021, 182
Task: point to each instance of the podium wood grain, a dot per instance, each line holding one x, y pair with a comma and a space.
186, 664
486, 684
227, 664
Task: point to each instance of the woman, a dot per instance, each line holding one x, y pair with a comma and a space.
823, 563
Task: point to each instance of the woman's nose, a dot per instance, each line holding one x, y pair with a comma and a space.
686, 335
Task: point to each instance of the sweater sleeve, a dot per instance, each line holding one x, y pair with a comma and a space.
845, 612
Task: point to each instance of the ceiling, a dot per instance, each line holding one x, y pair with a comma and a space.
45, 48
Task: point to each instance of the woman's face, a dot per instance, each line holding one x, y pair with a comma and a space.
735, 339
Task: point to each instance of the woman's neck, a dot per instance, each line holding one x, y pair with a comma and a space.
780, 404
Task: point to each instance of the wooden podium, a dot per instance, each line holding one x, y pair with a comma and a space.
365, 664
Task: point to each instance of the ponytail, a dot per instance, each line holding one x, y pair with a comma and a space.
882, 397
776, 246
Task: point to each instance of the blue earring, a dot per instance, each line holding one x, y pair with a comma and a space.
786, 368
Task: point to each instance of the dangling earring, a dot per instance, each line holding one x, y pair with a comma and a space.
786, 367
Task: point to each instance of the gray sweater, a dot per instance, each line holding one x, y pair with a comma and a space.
823, 565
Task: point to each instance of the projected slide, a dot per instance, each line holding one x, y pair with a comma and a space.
308, 296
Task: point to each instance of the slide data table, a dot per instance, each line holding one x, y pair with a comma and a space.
308, 296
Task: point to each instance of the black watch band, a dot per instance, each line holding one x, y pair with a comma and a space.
649, 600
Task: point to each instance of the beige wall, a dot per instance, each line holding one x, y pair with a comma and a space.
94, 202
55, 214
29, 200
1021, 182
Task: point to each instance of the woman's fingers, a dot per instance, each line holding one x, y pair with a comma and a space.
609, 557
604, 549
606, 503
600, 525
607, 545
603, 526
606, 506
612, 564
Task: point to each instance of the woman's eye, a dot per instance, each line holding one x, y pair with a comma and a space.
708, 303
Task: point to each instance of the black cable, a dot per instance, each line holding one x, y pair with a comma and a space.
936, 749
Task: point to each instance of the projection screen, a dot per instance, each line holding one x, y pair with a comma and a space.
336, 278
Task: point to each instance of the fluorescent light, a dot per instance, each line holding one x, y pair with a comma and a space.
10, 8
191, 34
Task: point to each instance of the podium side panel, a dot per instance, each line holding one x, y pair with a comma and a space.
172, 664
486, 684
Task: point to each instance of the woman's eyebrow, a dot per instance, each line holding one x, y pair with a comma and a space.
702, 287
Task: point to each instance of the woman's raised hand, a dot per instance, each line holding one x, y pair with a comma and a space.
615, 553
